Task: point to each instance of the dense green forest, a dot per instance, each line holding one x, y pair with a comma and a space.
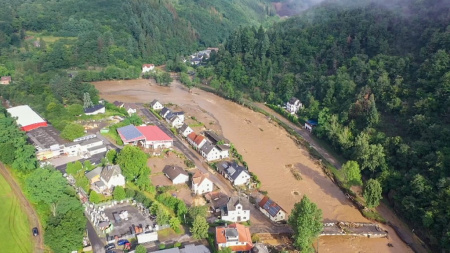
377, 78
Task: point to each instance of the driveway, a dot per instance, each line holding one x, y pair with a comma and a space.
96, 243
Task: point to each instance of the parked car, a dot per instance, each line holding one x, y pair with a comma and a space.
110, 246
122, 242
35, 231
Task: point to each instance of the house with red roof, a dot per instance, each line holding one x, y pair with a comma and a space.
155, 137
147, 68
201, 183
196, 140
272, 210
237, 237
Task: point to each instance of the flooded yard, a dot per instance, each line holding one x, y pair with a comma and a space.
269, 152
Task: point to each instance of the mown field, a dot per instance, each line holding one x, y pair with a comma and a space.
15, 230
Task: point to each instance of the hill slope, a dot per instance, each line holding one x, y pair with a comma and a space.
377, 78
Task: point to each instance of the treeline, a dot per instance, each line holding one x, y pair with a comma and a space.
123, 34
60, 210
377, 79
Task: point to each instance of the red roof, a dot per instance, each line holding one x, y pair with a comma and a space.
263, 201
6, 78
196, 138
153, 133
244, 236
148, 65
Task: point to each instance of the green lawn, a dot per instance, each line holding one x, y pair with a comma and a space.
15, 230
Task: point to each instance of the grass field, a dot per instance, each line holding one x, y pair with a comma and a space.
15, 230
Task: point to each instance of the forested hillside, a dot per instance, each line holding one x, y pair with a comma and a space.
377, 78
117, 32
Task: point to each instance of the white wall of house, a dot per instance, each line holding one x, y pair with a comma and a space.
187, 131
224, 153
146, 69
180, 179
308, 127
281, 215
293, 108
72, 150
213, 155
158, 144
116, 180
195, 144
98, 151
157, 106
204, 187
131, 111
177, 122
99, 111
242, 179
238, 215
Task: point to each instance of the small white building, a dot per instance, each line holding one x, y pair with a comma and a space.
238, 175
310, 125
293, 105
147, 237
96, 109
176, 121
147, 68
131, 108
185, 130
212, 152
235, 211
112, 176
201, 183
272, 210
156, 105
176, 174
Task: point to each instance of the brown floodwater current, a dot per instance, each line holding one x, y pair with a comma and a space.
269, 152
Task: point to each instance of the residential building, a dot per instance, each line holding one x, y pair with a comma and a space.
156, 105
191, 248
235, 236
112, 176
5, 80
94, 175
175, 121
238, 175
215, 138
155, 138
94, 110
293, 105
176, 174
118, 104
26, 118
180, 115
185, 130
211, 152
131, 108
217, 201
272, 210
164, 112
196, 140
147, 68
310, 124
236, 211
201, 184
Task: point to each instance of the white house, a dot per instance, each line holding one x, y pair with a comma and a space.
176, 121
112, 176
310, 125
180, 115
201, 183
237, 174
130, 107
272, 210
96, 109
147, 68
176, 174
185, 130
156, 105
235, 211
196, 140
210, 152
235, 236
164, 112
293, 105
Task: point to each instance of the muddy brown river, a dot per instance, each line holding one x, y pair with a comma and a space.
269, 152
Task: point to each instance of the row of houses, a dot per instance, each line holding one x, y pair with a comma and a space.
200, 182
211, 146
131, 108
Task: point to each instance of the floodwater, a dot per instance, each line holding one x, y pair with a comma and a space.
269, 152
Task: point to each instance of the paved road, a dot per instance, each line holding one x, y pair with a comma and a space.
184, 147
96, 243
38, 241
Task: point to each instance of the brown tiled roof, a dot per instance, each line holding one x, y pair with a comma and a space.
196, 138
244, 235
263, 201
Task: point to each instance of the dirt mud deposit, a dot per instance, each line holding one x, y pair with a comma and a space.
269, 152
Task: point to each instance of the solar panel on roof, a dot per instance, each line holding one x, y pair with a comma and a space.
271, 207
129, 132
231, 170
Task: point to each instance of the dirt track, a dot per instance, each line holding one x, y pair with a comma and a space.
29, 210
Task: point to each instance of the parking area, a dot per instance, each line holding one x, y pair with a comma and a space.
124, 226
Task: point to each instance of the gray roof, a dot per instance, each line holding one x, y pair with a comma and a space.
215, 137
217, 199
231, 232
191, 248
183, 127
207, 147
178, 113
171, 250
118, 103
154, 102
231, 168
232, 203
44, 137
109, 171
164, 111
93, 108
96, 147
90, 141
174, 171
223, 147
170, 115
293, 100
95, 172
100, 184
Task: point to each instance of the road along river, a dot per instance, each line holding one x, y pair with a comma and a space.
269, 152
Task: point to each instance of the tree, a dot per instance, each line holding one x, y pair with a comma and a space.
111, 155
119, 193
164, 79
225, 250
133, 162
352, 173
46, 185
74, 168
175, 224
7, 153
372, 193
94, 197
195, 211
75, 109
306, 221
200, 227
140, 249
72, 131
